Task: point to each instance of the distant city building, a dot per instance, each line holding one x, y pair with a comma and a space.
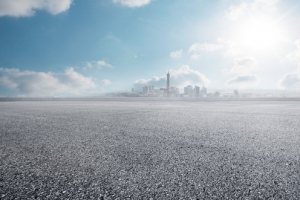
174, 91
151, 91
163, 91
156, 92
236, 93
151, 88
188, 90
197, 91
245, 95
145, 89
168, 84
203, 91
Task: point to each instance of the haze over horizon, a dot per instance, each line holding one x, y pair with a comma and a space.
77, 48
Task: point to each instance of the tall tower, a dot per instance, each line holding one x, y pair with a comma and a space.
168, 84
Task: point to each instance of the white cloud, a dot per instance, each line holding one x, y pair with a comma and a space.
295, 55
178, 78
265, 4
243, 65
195, 56
133, 3
243, 81
176, 54
290, 81
26, 8
97, 64
243, 68
106, 82
236, 11
196, 47
33, 83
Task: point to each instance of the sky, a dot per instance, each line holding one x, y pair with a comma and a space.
91, 47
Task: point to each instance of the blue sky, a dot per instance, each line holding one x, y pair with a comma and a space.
80, 48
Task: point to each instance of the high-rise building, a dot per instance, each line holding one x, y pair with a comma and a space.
151, 88
203, 91
174, 91
145, 89
168, 84
162, 92
197, 91
188, 90
236, 93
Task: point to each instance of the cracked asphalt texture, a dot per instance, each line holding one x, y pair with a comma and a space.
149, 150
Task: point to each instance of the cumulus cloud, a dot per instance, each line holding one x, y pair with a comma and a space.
243, 65
290, 81
243, 81
176, 54
133, 3
97, 64
105, 82
33, 83
179, 78
266, 4
242, 68
26, 8
196, 47
236, 11
195, 56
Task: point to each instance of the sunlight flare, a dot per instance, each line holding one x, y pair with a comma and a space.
260, 33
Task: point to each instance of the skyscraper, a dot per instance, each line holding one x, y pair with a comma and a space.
197, 91
203, 91
168, 84
188, 90
236, 93
145, 89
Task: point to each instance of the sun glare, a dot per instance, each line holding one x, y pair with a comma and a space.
260, 33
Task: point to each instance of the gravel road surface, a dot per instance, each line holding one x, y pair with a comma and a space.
149, 150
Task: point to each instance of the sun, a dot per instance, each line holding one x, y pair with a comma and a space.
260, 33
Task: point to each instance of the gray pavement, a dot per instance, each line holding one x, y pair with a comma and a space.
144, 150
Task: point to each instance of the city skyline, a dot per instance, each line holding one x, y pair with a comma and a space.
170, 91
76, 48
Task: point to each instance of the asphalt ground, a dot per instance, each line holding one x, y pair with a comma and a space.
149, 150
